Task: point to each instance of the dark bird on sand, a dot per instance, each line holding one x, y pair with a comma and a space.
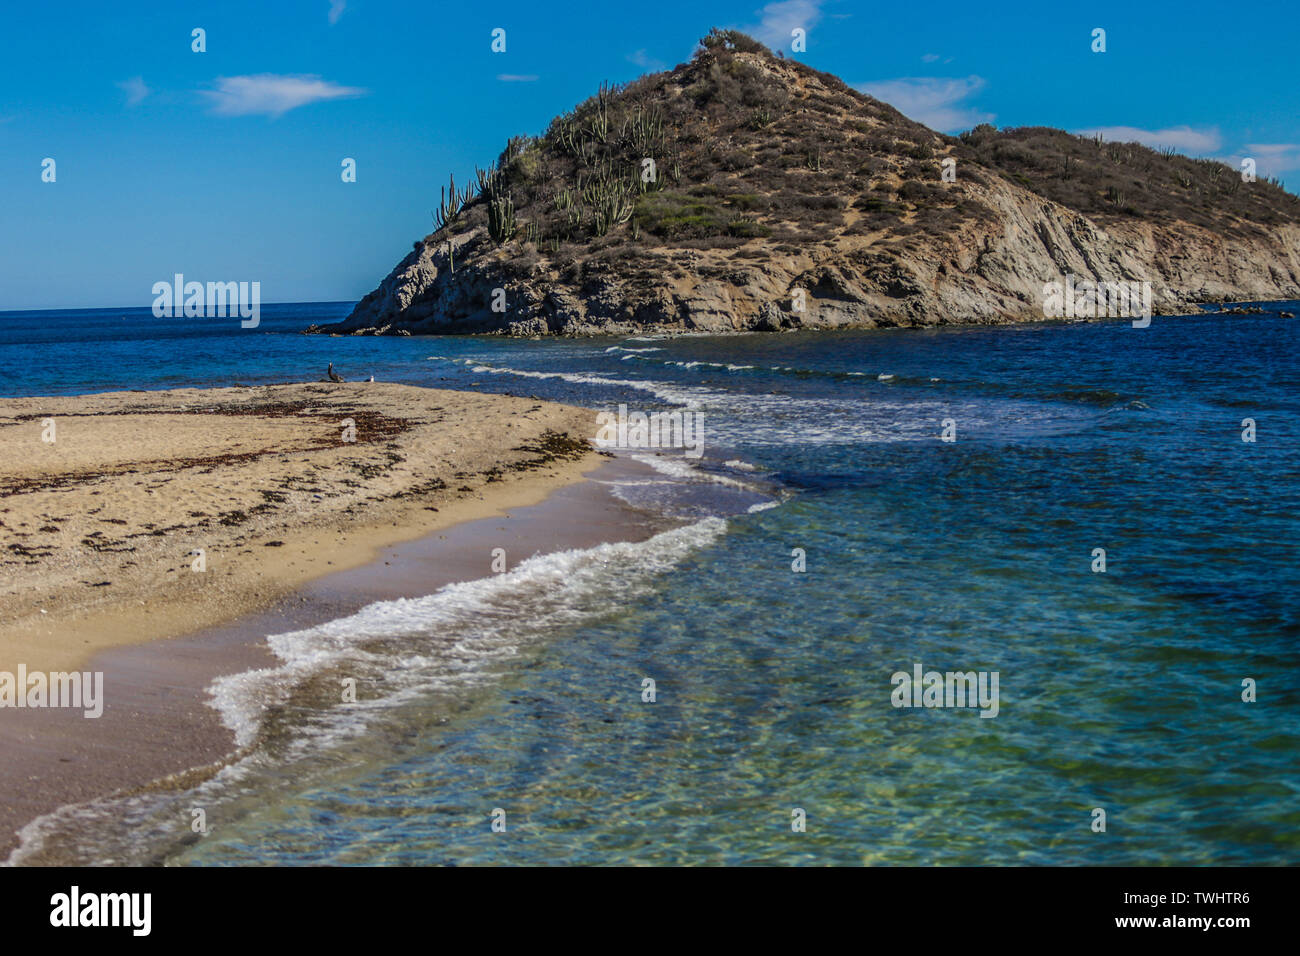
332, 375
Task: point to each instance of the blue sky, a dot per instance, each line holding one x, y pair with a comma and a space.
225, 165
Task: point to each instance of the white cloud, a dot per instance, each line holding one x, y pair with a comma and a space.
135, 90
517, 77
272, 94
1185, 139
1271, 159
645, 61
932, 100
1272, 149
336, 10
776, 20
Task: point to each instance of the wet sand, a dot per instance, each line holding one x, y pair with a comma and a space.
157, 722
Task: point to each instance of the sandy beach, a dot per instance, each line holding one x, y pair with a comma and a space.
161, 535
298, 497
153, 514
159, 730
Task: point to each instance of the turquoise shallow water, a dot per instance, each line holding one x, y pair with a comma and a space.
1119, 690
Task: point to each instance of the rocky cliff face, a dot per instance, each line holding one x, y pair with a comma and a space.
778, 198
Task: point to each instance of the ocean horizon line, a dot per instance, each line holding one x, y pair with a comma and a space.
148, 306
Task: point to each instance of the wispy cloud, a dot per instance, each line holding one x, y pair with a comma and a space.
336, 10
1185, 139
935, 101
646, 62
135, 90
1272, 149
1275, 156
517, 77
776, 20
272, 94
1271, 159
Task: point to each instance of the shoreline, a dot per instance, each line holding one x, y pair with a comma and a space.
1239, 307
154, 514
159, 730
100, 530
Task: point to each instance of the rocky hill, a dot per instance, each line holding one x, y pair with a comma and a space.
746, 191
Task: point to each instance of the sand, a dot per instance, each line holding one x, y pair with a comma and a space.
154, 514
159, 730
100, 532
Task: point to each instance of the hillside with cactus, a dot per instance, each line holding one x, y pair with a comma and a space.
747, 191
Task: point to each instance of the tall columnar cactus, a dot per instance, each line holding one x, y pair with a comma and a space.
600, 119
501, 219
569, 136
610, 198
449, 207
643, 131
488, 179
611, 207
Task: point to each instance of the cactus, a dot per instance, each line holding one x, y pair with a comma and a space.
609, 197
488, 179
599, 123
643, 131
501, 219
449, 208
569, 135
515, 147
614, 206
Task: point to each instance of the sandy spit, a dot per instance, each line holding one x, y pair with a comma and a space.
155, 514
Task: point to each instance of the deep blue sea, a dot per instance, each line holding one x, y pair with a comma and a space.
1119, 690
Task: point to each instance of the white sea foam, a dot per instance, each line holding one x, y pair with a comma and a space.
749, 418
400, 651
451, 636
681, 469
702, 364
689, 396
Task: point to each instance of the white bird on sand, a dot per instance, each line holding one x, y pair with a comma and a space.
332, 375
